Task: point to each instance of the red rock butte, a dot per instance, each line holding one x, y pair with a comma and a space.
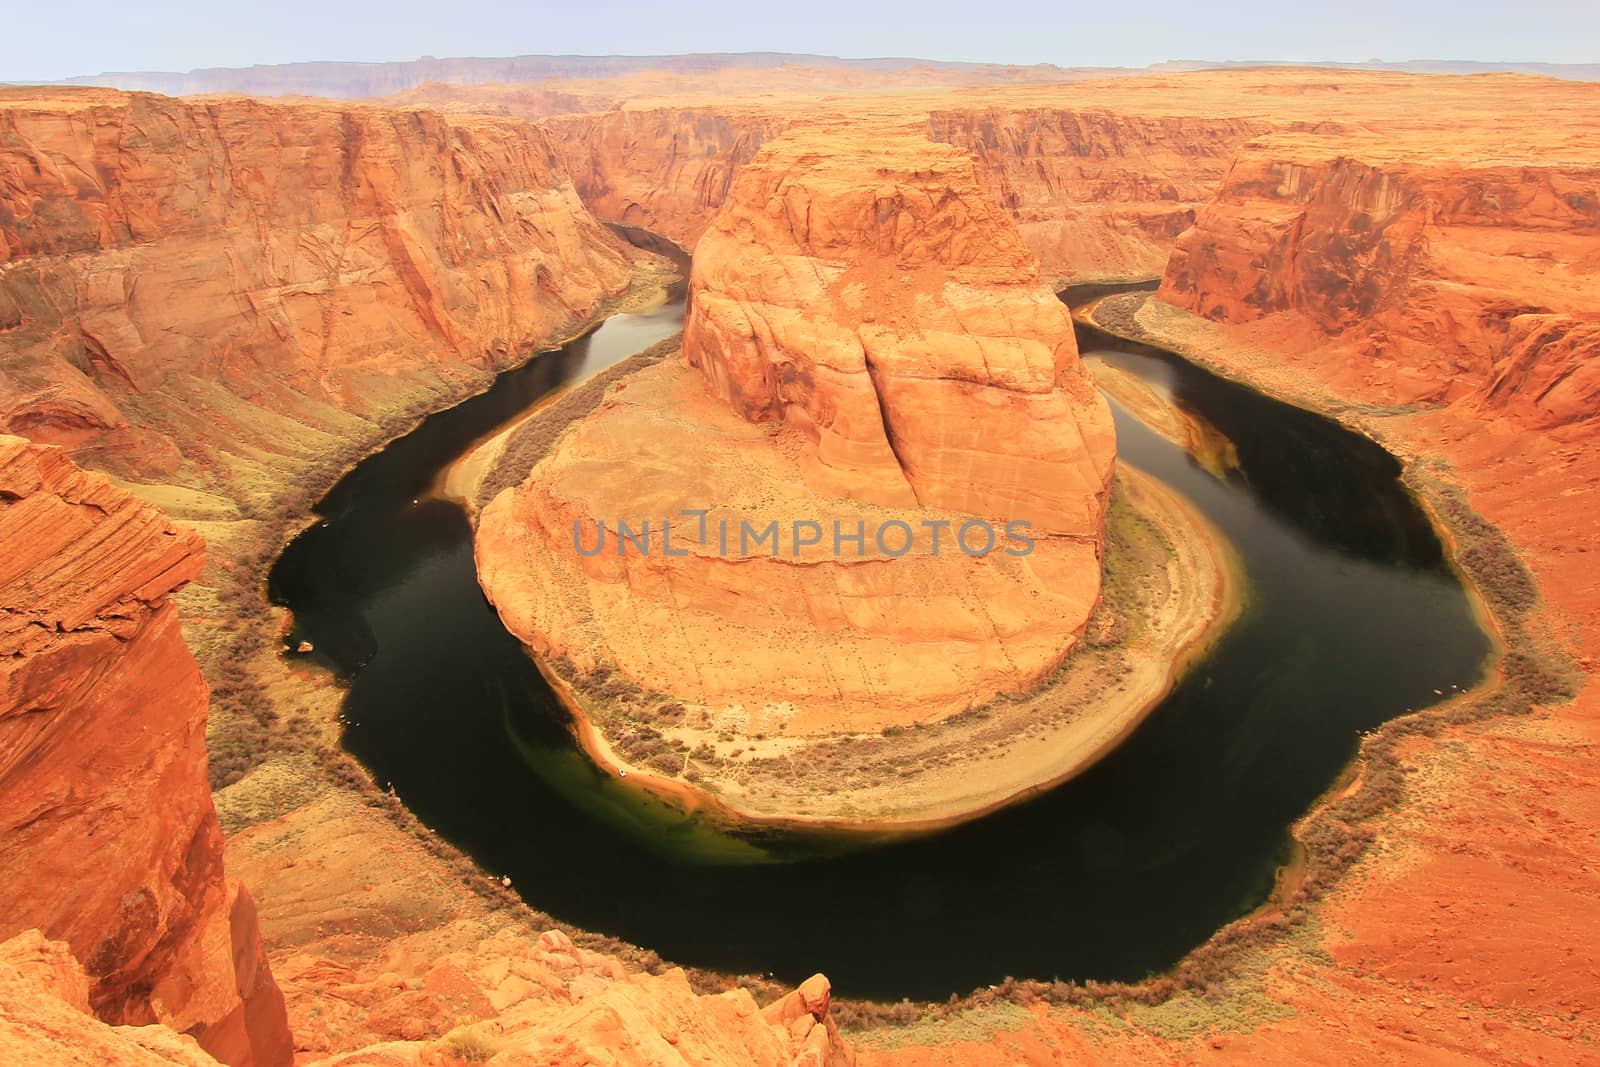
870, 343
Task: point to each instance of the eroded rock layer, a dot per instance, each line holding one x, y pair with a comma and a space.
869, 345
234, 280
1097, 194
107, 830
666, 169
1412, 278
509, 1003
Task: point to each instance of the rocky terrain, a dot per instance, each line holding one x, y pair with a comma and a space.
1096, 195
106, 822
1423, 278
1101, 175
1416, 255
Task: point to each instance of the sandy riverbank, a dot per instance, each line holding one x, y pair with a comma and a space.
462, 480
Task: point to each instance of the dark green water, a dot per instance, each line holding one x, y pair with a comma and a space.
1354, 618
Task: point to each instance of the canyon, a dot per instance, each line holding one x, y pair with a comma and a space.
1416, 255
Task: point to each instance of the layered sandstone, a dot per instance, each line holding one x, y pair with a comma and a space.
865, 292
515, 1002
106, 821
1417, 277
196, 290
869, 345
666, 169
510, 1002
1097, 194
1102, 176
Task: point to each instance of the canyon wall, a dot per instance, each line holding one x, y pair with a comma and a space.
232, 286
1098, 195
107, 830
1412, 279
869, 343
666, 169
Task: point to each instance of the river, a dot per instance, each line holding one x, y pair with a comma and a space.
1353, 618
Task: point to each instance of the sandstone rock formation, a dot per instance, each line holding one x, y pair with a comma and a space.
866, 293
1102, 176
666, 169
44, 1016
107, 831
229, 285
868, 343
1098, 194
509, 1003
1467, 270
516, 1001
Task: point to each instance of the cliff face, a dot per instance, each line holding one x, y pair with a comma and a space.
1415, 279
1097, 194
867, 292
668, 169
229, 281
870, 346
106, 822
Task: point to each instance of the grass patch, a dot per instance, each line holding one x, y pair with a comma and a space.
910, 1025
471, 1045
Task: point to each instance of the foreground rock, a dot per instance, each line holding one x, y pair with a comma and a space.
44, 1016
509, 1003
107, 831
512, 1003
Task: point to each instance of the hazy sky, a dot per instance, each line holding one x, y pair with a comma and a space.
57, 38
